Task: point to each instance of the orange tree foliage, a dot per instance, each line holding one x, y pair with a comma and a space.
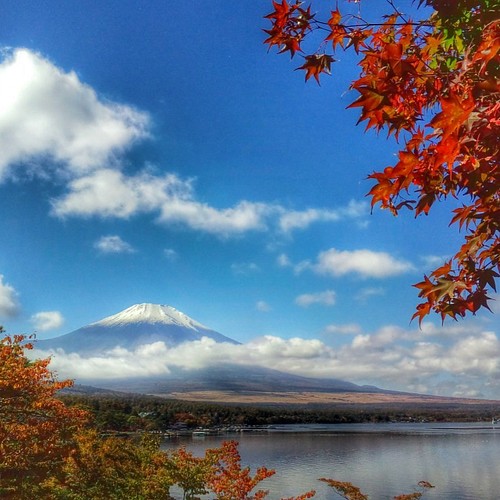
113, 468
434, 84
218, 472
228, 480
36, 429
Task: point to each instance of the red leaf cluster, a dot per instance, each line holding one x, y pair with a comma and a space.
434, 84
290, 24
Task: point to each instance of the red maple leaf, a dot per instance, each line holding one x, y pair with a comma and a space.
316, 64
455, 111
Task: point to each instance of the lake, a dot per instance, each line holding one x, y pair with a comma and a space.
461, 459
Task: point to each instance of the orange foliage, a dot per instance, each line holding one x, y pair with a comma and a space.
113, 468
435, 84
36, 428
228, 480
189, 472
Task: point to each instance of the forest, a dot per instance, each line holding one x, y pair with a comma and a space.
134, 412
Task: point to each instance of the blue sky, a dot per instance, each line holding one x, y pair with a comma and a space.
158, 153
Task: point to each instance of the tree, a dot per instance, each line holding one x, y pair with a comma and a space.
113, 468
190, 473
434, 84
228, 480
36, 429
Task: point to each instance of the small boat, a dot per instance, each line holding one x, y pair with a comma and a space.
199, 433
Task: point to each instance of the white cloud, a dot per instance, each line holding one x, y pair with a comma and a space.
475, 354
344, 329
109, 193
301, 219
170, 254
326, 298
365, 263
391, 358
275, 348
262, 306
113, 244
47, 320
46, 113
449, 330
148, 360
9, 300
243, 217
296, 219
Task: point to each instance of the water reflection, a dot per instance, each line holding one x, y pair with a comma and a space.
463, 461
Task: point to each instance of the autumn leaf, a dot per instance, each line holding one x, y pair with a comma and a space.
357, 39
338, 33
489, 47
316, 64
421, 312
280, 14
455, 112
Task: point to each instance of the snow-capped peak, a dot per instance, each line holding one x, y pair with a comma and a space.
150, 313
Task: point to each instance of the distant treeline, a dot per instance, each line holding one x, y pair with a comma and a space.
140, 412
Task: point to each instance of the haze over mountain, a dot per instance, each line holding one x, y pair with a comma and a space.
151, 324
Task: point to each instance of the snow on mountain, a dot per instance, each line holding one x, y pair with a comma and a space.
138, 325
150, 313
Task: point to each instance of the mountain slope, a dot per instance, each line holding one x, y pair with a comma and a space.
231, 377
138, 325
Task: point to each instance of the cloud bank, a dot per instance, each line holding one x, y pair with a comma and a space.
392, 358
110, 193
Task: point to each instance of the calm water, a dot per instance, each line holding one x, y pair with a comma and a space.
461, 460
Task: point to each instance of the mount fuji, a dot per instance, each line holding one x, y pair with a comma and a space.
144, 324
138, 325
